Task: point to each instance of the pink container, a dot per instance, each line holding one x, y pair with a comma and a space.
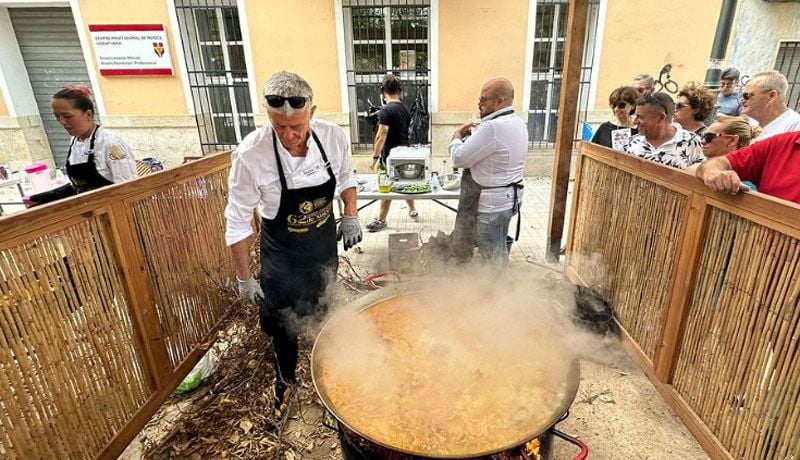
39, 177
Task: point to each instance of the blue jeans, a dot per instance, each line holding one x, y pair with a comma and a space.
492, 231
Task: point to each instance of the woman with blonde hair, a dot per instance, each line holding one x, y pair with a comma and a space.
728, 134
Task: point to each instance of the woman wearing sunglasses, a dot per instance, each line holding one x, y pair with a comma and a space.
728, 134
623, 103
695, 104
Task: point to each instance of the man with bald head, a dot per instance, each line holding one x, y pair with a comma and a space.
492, 154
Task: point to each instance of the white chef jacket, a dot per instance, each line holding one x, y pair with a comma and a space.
254, 180
495, 155
113, 158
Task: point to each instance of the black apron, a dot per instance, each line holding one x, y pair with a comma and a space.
84, 176
298, 258
465, 231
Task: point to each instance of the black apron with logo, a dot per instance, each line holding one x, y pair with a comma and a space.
84, 176
465, 231
298, 258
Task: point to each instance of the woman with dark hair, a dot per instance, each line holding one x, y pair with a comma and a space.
694, 105
96, 157
623, 103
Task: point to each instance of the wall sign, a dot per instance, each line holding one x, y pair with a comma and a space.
131, 49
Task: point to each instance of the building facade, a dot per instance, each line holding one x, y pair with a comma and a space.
221, 51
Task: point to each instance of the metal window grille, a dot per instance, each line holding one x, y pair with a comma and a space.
549, 40
214, 52
384, 36
788, 63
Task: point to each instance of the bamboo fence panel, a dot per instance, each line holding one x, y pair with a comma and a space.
635, 226
71, 375
181, 230
739, 365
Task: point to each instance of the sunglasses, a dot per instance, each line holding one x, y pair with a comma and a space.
748, 96
295, 102
620, 105
681, 105
707, 137
650, 99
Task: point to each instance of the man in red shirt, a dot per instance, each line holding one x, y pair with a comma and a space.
772, 164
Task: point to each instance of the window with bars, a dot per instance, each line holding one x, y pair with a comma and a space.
215, 61
549, 39
788, 63
384, 36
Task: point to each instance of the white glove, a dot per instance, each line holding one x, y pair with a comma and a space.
250, 291
349, 231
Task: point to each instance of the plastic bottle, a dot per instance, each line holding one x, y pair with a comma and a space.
435, 185
444, 167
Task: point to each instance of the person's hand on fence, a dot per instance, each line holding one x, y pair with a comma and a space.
725, 182
349, 231
250, 291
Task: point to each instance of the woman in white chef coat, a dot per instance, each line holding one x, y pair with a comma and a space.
96, 157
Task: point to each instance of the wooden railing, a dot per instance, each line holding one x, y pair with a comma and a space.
707, 290
106, 299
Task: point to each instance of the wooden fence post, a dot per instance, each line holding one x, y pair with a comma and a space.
139, 291
680, 296
565, 128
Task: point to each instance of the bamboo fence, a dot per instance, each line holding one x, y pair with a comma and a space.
707, 290
106, 301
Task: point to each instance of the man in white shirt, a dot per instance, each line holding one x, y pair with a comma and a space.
659, 139
764, 100
493, 157
289, 170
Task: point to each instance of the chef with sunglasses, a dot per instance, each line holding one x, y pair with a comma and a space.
289, 170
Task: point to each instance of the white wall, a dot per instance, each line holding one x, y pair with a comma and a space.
760, 26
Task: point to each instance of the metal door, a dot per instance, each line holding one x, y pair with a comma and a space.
51, 50
214, 51
384, 36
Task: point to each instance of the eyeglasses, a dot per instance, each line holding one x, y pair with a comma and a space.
482, 100
295, 102
650, 99
681, 105
708, 137
750, 95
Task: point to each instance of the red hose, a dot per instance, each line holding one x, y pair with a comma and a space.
370, 280
584, 449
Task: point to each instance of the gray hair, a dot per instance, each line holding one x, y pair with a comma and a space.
651, 82
773, 80
730, 73
287, 84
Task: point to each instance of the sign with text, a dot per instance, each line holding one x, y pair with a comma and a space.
131, 49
